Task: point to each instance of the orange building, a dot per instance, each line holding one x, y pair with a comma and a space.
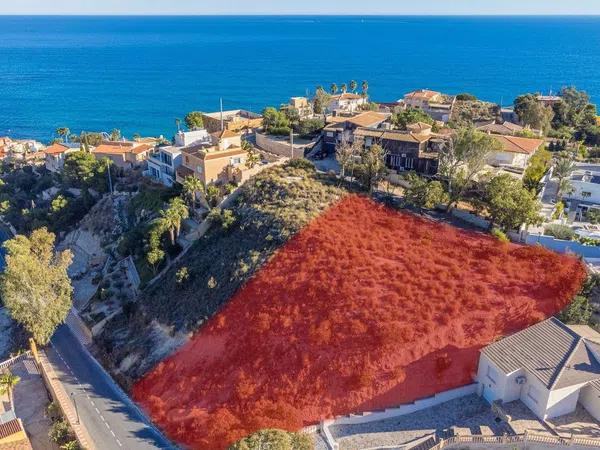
123, 154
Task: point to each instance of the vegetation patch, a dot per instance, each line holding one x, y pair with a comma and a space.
365, 308
274, 205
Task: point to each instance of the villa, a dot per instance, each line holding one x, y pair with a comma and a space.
341, 129
219, 162
550, 367
56, 153
236, 121
187, 138
515, 151
346, 102
163, 163
505, 128
123, 154
422, 98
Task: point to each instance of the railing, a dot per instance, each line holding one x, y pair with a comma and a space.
12, 361
508, 439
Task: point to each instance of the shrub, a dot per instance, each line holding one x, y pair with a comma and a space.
563, 232
500, 235
182, 275
579, 312
60, 432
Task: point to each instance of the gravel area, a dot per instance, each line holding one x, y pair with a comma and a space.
467, 414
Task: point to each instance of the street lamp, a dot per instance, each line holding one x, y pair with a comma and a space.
75, 403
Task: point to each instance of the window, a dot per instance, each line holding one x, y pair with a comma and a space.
198, 169
236, 161
330, 134
167, 159
492, 374
410, 163
533, 394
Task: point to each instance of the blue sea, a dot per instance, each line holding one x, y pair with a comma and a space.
139, 73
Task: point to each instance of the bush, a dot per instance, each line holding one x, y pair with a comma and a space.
60, 432
280, 131
562, 232
182, 275
500, 235
579, 312
466, 97
301, 163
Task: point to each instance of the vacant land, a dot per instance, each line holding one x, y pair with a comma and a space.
364, 308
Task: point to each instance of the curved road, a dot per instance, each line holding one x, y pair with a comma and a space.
111, 418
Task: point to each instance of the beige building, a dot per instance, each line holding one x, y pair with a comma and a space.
222, 161
302, 105
55, 155
123, 154
238, 120
515, 151
422, 98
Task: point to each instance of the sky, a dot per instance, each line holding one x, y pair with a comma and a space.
354, 7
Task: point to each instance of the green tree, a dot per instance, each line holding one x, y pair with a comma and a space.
115, 134
58, 203
273, 439
563, 168
579, 312
510, 204
463, 158
321, 101
213, 194
310, 127
193, 120
8, 381
344, 88
365, 88
333, 89
424, 194
372, 167
409, 116
353, 86
172, 217
252, 156
533, 113
275, 122
192, 186
466, 97
537, 167
83, 170
63, 132
345, 153
35, 286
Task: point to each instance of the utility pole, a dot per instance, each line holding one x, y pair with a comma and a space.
110, 186
222, 126
76, 409
292, 141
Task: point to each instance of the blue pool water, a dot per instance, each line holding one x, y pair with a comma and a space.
140, 73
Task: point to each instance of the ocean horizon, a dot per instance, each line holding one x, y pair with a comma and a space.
139, 73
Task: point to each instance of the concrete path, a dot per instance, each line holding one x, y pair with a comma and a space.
31, 400
110, 417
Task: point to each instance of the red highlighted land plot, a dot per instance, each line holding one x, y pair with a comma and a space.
365, 308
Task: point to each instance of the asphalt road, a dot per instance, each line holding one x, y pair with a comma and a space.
111, 418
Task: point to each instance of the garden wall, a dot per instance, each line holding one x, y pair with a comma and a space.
558, 245
281, 145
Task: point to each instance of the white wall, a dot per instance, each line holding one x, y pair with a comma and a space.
493, 389
185, 138
590, 399
563, 401
582, 186
534, 388
509, 158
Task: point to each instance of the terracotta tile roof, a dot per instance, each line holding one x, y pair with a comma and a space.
233, 151
422, 94
118, 148
368, 118
212, 152
224, 134
9, 428
501, 128
56, 149
346, 96
392, 135
419, 126
514, 144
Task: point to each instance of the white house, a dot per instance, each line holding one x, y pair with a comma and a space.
515, 151
56, 153
586, 186
195, 137
163, 163
346, 102
550, 367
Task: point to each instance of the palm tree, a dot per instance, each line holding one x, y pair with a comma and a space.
115, 135
365, 88
563, 168
180, 211
353, 86
7, 382
334, 88
63, 132
344, 88
191, 186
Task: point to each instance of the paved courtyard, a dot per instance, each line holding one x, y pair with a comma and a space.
466, 415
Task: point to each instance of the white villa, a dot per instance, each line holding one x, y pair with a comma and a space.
515, 151
163, 163
550, 367
346, 102
186, 138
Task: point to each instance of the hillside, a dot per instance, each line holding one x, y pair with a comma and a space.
273, 206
